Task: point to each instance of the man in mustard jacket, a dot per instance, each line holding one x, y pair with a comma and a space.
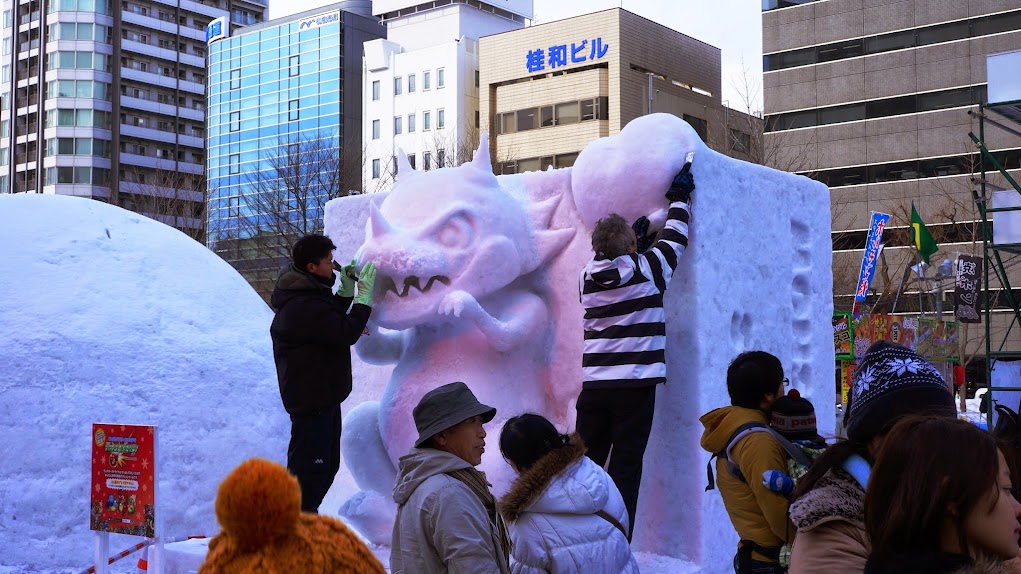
745, 451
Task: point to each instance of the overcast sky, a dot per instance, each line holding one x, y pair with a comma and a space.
734, 26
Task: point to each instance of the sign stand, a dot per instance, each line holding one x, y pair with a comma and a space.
124, 489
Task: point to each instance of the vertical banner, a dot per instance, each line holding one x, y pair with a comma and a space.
873, 245
123, 485
843, 340
967, 283
846, 377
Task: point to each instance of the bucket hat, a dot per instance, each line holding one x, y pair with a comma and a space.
446, 406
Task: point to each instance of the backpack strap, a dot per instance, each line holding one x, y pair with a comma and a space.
606, 516
792, 450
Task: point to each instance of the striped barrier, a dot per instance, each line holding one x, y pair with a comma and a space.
143, 562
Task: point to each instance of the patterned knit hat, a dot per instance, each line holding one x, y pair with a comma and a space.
793, 416
258, 507
893, 381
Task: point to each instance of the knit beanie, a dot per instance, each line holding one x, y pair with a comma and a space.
891, 382
264, 531
793, 416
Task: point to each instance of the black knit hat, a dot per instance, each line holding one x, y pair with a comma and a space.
793, 416
893, 381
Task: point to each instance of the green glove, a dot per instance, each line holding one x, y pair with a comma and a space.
348, 276
366, 283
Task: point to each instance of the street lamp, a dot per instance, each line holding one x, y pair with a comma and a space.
943, 272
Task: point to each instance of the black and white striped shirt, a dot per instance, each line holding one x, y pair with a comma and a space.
625, 329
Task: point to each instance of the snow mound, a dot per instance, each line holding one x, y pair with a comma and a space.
108, 316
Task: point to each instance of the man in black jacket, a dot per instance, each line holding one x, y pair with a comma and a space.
312, 336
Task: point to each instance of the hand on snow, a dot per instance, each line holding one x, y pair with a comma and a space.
348, 278
366, 283
458, 303
682, 185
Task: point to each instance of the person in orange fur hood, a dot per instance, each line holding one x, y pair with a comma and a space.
264, 531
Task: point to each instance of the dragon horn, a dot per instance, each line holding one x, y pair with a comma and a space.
481, 160
404, 168
378, 224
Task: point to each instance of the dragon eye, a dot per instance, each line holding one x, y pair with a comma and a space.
456, 233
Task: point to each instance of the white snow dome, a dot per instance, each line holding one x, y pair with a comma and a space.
108, 316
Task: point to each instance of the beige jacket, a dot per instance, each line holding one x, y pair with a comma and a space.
831, 533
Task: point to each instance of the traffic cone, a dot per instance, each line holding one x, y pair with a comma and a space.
143, 561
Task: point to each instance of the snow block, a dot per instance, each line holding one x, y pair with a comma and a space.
108, 316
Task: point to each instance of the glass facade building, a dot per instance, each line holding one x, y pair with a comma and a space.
283, 133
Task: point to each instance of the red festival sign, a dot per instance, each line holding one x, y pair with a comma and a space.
123, 490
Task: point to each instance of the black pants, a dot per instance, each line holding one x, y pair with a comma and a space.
745, 564
621, 419
313, 454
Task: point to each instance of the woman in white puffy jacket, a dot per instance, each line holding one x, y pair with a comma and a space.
564, 512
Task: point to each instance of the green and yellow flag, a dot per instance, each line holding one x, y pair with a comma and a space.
924, 242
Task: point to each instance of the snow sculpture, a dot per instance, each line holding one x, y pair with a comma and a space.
481, 285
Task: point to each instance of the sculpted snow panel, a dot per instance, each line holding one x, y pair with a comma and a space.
478, 282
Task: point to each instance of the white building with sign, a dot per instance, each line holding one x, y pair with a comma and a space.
421, 91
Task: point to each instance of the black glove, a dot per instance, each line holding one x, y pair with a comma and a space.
641, 229
682, 185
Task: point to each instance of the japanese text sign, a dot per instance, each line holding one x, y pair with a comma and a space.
123, 485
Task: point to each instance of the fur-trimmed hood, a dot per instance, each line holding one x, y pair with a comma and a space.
837, 496
937, 563
559, 482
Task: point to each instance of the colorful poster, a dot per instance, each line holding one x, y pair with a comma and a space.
862, 337
925, 338
123, 489
846, 378
873, 245
902, 331
967, 284
842, 336
880, 327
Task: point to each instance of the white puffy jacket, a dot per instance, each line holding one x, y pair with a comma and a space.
550, 510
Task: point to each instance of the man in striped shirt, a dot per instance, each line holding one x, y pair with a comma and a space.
625, 338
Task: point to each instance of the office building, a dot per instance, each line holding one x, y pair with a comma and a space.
876, 99
422, 82
284, 131
550, 89
106, 100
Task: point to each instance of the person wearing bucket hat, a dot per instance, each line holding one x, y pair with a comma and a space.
828, 510
447, 518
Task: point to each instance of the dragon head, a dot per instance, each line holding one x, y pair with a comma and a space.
445, 230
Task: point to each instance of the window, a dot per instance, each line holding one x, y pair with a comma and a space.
566, 113
411, 123
476, 78
528, 119
375, 169
440, 82
411, 83
235, 164
292, 110
235, 121
397, 125
397, 86
235, 79
375, 129
426, 121
393, 166
427, 160
293, 66
441, 156
700, 125
740, 141
441, 119
375, 90
411, 160
426, 81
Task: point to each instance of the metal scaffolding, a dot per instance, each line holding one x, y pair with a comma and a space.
992, 261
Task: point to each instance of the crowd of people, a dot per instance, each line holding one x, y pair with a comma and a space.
910, 488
